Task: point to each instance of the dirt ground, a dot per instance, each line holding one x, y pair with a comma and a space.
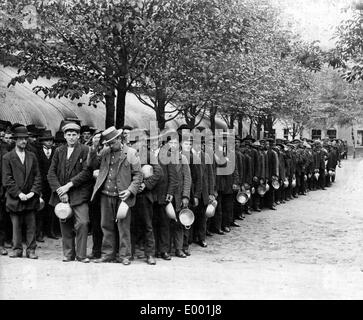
310, 248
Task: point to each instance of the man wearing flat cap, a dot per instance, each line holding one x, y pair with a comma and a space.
22, 181
70, 180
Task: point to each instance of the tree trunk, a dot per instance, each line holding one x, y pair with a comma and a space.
258, 128
110, 111
190, 115
232, 117
251, 125
293, 131
212, 117
160, 97
268, 124
240, 125
121, 103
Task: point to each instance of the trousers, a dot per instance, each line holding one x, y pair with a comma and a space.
142, 212
75, 232
18, 219
97, 234
161, 228
200, 223
109, 206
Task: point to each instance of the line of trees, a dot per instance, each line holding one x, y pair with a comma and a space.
207, 58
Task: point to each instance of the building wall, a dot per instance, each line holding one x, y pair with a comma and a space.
344, 133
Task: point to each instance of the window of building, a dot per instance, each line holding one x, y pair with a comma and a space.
269, 134
315, 134
332, 134
286, 134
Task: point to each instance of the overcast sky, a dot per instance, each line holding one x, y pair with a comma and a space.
315, 19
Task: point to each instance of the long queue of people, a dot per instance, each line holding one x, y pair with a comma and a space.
85, 182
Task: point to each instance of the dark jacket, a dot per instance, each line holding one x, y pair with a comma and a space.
271, 164
151, 182
208, 178
196, 177
224, 183
3, 151
79, 173
18, 178
184, 182
44, 165
167, 183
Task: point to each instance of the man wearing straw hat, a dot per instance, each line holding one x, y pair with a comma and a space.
71, 182
119, 179
22, 180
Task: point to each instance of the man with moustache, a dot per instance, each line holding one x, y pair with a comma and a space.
119, 179
46, 219
22, 180
70, 180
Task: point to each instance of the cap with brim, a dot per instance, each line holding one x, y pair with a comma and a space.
71, 126
256, 144
110, 134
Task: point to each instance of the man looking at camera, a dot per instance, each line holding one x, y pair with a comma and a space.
22, 181
71, 182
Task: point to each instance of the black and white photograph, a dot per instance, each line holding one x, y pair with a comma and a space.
181, 150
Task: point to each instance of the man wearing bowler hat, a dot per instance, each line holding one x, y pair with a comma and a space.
22, 180
70, 180
119, 179
86, 135
46, 219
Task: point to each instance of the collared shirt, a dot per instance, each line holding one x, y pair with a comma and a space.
69, 151
48, 152
21, 155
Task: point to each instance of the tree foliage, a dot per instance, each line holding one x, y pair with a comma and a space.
207, 58
348, 54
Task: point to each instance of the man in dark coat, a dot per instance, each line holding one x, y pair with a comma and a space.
3, 215
164, 193
22, 180
240, 163
207, 193
70, 180
142, 213
226, 186
46, 219
181, 196
272, 166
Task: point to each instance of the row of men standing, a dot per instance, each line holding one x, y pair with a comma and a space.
146, 225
